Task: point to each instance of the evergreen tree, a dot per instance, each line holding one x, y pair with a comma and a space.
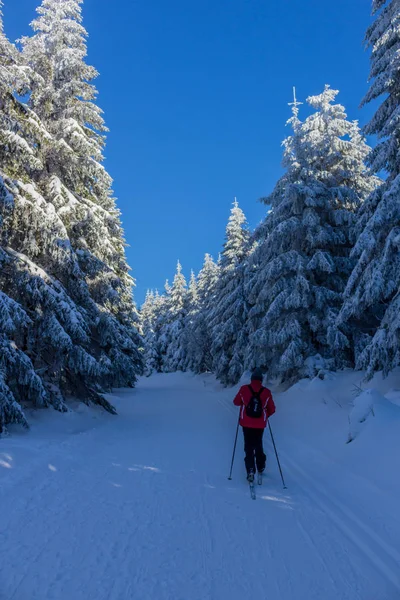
148, 313
160, 316
302, 262
372, 304
174, 359
63, 331
75, 182
20, 133
63, 95
19, 127
192, 295
163, 321
199, 358
191, 311
230, 309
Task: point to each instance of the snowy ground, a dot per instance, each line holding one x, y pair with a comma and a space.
95, 507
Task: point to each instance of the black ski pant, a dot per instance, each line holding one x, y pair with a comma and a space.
253, 448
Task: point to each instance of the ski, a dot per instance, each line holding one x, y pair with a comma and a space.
252, 490
259, 479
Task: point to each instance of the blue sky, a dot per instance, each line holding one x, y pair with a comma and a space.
195, 95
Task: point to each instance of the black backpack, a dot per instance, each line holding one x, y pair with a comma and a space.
255, 408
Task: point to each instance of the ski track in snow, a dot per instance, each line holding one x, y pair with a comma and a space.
383, 557
140, 507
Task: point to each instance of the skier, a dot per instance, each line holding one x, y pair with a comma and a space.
256, 405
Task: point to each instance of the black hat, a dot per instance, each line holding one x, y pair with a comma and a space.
257, 375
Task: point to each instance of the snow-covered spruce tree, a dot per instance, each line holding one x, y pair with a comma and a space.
241, 348
19, 128
75, 182
60, 342
302, 261
19, 134
372, 301
18, 379
192, 294
230, 307
37, 258
62, 94
56, 336
198, 331
173, 329
148, 315
160, 320
191, 310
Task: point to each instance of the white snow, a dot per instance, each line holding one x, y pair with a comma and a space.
96, 507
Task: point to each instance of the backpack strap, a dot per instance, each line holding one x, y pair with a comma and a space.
256, 394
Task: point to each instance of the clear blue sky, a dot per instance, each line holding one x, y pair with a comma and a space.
195, 95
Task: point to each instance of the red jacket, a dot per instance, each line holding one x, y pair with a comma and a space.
242, 399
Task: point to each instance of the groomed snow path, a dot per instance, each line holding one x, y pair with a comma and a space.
139, 507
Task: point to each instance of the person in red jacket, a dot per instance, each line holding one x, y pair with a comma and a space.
256, 405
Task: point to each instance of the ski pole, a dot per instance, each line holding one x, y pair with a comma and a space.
277, 457
234, 447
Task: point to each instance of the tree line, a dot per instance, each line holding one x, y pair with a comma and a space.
316, 286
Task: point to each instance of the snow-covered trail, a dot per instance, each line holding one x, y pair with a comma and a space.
139, 507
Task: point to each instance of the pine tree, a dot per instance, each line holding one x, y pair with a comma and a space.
198, 333
191, 312
160, 313
173, 333
75, 182
192, 295
230, 311
163, 320
302, 262
58, 337
20, 131
19, 128
17, 375
62, 95
372, 304
148, 313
